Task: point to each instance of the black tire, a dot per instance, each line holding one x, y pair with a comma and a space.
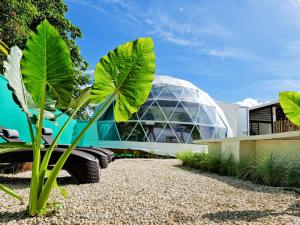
108, 153
83, 167
84, 171
103, 159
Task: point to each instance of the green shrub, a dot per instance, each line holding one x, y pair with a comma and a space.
293, 175
187, 158
244, 169
228, 166
270, 171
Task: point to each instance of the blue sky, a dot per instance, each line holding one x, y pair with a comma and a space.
232, 49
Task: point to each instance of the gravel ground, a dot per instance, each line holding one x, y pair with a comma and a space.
157, 191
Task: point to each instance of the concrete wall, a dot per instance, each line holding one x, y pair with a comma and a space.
287, 150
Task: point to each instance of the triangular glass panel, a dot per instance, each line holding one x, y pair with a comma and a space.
156, 90
109, 114
166, 94
206, 132
176, 90
167, 135
220, 132
195, 135
125, 129
167, 107
152, 130
154, 113
180, 114
220, 122
182, 131
144, 108
192, 109
207, 115
190, 95
108, 131
150, 95
138, 134
134, 117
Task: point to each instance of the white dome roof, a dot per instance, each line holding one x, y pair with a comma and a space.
200, 96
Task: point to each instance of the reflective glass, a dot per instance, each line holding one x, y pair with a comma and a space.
206, 132
166, 94
152, 129
177, 91
154, 113
125, 129
182, 131
220, 132
156, 90
138, 134
144, 108
195, 135
189, 95
192, 109
109, 114
207, 115
180, 114
167, 135
167, 107
108, 131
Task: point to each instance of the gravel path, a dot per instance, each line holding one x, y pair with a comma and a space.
158, 191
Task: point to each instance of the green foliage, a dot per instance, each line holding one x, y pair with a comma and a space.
47, 74
269, 170
13, 75
228, 165
290, 103
19, 18
187, 158
53, 73
127, 73
9, 191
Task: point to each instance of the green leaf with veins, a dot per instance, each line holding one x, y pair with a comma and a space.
290, 103
47, 67
127, 73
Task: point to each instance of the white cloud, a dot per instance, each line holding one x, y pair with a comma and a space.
249, 102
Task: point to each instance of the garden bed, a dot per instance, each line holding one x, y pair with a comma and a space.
157, 191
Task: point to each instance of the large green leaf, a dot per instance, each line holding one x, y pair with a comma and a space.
12, 193
13, 146
290, 103
46, 66
20, 94
126, 72
15, 82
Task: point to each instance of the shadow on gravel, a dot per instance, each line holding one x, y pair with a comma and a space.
24, 182
237, 183
6, 217
250, 215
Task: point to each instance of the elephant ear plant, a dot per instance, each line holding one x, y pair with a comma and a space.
124, 75
290, 103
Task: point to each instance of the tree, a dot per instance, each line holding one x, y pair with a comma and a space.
19, 18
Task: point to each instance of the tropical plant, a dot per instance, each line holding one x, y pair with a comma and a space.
124, 75
7, 146
290, 103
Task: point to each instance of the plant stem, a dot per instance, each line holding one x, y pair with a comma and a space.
46, 159
60, 163
36, 185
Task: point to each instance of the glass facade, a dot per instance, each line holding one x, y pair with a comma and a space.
173, 113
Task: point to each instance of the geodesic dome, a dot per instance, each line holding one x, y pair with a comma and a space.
176, 112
